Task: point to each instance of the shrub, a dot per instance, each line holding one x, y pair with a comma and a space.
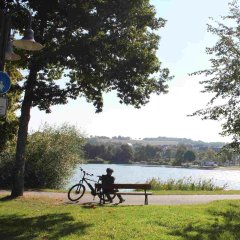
6, 166
51, 155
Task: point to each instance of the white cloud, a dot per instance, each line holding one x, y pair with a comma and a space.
165, 115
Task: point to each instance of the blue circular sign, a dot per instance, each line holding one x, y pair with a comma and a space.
5, 82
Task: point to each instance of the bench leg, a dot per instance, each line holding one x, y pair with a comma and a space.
146, 199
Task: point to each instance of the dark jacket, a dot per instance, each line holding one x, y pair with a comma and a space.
107, 180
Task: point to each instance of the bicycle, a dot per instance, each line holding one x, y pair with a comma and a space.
78, 190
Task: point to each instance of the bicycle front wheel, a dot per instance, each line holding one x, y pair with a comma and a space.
76, 192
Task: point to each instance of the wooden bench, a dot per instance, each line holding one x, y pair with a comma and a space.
142, 186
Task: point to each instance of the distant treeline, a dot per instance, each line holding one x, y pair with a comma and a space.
150, 154
155, 141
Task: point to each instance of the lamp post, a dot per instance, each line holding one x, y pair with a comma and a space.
6, 43
4, 35
27, 42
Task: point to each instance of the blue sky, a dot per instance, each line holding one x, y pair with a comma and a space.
182, 50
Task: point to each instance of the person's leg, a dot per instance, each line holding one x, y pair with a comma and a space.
108, 197
120, 198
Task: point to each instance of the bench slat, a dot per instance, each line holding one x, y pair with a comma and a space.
135, 193
126, 186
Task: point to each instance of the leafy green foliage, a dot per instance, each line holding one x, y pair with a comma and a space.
124, 154
9, 123
179, 157
6, 166
103, 45
91, 47
189, 156
223, 78
146, 153
176, 155
52, 153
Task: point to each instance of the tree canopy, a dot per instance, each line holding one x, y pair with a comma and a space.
91, 47
95, 46
223, 78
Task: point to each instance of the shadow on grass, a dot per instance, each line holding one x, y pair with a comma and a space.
50, 226
6, 198
220, 226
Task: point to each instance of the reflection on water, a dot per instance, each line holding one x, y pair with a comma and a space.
141, 173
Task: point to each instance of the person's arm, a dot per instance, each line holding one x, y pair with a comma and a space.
113, 180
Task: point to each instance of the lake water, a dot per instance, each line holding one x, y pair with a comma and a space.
142, 173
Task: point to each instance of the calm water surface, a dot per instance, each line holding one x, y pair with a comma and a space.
142, 173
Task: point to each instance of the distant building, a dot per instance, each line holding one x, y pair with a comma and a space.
209, 164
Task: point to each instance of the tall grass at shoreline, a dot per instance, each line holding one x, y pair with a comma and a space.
185, 184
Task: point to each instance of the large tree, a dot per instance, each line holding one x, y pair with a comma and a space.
179, 156
91, 47
189, 156
124, 154
223, 77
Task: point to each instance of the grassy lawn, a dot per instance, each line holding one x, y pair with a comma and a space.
43, 218
188, 192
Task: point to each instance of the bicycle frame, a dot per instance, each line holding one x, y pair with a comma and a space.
78, 193
84, 179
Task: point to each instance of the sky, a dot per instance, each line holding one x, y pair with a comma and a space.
182, 50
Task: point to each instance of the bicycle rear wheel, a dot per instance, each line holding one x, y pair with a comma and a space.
76, 192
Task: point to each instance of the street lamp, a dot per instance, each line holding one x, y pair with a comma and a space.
27, 42
6, 52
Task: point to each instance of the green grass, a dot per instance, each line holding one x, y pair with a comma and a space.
47, 190
28, 218
195, 192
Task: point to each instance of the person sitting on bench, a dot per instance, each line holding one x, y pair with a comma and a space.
108, 179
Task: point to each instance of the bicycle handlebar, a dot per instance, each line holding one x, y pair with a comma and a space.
88, 174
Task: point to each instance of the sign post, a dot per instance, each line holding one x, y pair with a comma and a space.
5, 85
3, 106
5, 82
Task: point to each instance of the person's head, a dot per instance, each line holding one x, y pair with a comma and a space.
109, 171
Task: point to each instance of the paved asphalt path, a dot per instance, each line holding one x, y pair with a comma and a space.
135, 200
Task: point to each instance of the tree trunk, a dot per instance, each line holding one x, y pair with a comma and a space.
19, 165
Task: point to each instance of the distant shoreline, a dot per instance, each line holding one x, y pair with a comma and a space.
214, 168
232, 168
